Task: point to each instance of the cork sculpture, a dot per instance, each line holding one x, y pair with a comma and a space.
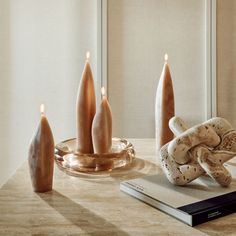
202, 149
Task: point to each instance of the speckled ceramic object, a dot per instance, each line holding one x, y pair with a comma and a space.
198, 150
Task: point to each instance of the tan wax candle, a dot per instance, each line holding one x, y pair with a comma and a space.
41, 156
165, 108
102, 127
85, 110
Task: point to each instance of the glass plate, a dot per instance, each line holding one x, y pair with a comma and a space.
122, 154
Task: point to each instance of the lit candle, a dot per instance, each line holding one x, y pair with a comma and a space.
102, 127
164, 109
41, 156
85, 110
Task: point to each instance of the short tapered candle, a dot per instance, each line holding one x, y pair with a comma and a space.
102, 127
41, 156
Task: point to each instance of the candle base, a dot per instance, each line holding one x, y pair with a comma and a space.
122, 154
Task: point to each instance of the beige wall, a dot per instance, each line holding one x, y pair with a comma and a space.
226, 59
42, 47
139, 34
42, 50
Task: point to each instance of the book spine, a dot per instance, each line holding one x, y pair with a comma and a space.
213, 213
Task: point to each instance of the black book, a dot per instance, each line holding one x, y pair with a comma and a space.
200, 201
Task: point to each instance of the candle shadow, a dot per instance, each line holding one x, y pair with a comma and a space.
138, 168
80, 216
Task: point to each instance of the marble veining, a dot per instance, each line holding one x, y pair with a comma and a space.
94, 206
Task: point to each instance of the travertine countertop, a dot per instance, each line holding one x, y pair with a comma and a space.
94, 206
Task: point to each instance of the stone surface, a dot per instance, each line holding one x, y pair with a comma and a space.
94, 206
199, 150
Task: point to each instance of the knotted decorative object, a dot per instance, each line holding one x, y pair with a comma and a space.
201, 149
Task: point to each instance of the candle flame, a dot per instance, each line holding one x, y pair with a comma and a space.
103, 91
42, 109
166, 57
87, 55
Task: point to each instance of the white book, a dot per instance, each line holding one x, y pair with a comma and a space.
199, 201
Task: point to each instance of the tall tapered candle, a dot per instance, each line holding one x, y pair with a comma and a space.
102, 127
85, 110
41, 156
165, 108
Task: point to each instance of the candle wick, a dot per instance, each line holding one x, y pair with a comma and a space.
42, 113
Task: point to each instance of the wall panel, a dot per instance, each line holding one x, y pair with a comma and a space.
226, 58
139, 34
42, 53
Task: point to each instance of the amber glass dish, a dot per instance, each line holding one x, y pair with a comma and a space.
121, 154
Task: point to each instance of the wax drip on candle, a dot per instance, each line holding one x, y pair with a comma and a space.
87, 55
166, 57
42, 109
